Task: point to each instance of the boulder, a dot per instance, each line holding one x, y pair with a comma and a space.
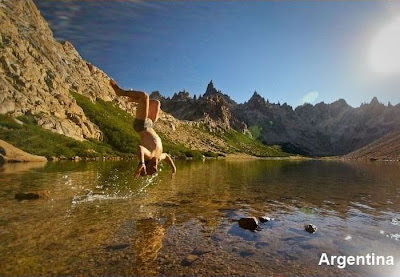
10, 153
249, 223
311, 228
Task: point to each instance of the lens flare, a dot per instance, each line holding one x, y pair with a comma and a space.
384, 53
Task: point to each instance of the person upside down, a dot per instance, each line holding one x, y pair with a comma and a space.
150, 150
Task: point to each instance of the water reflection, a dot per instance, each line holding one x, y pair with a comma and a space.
100, 221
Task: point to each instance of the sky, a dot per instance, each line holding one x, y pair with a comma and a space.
293, 52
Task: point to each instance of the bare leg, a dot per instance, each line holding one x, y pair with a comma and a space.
154, 109
139, 97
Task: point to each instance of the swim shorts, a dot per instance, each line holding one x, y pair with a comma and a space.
139, 125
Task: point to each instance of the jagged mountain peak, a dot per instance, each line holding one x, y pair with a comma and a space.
156, 95
256, 97
374, 101
211, 90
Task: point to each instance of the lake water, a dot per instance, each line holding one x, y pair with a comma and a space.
98, 220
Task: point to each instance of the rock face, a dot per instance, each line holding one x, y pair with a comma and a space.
37, 74
9, 153
214, 108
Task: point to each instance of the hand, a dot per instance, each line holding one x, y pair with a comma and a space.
173, 173
140, 170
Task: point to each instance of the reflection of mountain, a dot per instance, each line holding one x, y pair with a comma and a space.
385, 148
322, 129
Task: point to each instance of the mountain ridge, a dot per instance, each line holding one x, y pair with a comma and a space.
316, 130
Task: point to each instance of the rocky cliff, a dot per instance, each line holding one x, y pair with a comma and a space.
37, 74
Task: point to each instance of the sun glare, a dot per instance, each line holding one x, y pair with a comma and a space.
384, 54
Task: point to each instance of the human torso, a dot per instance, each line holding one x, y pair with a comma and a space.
150, 140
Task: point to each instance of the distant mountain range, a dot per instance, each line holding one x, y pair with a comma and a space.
314, 130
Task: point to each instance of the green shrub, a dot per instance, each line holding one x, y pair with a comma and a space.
255, 131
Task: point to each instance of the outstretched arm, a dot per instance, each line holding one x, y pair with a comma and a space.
167, 158
141, 169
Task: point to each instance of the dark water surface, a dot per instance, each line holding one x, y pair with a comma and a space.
98, 220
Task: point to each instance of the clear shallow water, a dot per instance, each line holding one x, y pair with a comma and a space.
98, 220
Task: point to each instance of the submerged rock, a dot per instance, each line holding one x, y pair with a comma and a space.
264, 219
200, 251
32, 195
116, 247
189, 259
249, 223
247, 253
311, 228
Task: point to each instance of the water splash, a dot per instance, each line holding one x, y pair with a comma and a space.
96, 196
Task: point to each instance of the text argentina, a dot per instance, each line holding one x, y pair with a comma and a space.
343, 261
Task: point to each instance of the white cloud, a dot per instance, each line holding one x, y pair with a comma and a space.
310, 97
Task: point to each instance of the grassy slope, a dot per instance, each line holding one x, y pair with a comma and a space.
115, 124
119, 138
36, 140
243, 143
